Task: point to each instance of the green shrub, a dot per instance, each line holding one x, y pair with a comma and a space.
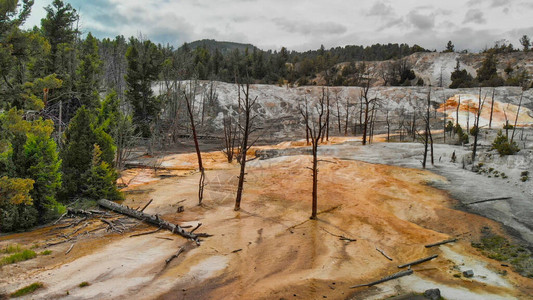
84, 284
46, 252
14, 248
499, 248
474, 131
524, 178
17, 257
524, 173
27, 290
449, 127
503, 146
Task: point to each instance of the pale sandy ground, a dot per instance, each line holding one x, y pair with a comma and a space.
282, 254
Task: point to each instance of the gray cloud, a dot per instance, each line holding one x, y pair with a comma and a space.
498, 3
380, 9
310, 27
420, 21
474, 16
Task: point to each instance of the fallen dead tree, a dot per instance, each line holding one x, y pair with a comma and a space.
419, 261
151, 219
441, 243
489, 200
384, 279
168, 260
384, 254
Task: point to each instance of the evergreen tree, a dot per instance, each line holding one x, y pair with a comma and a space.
144, 62
526, 42
89, 72
58, 28
461, 78
100, 179
43, 166
82, 134
487, 74
28, 155
449, 47
77, 152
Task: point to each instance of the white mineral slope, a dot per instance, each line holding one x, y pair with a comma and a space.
278, 107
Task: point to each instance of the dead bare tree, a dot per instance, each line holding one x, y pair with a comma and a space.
306, 118
246, 105
337, 104
427, 133
516, 118
476, 124
347, 111
387, 121
189, 98
367, 101
491, 108
457, 113
316, 127
230, 136
326, 134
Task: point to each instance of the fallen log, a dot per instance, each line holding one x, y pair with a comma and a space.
151, 219
168, 260
383, 253
145, 233
149, 202
391, 277
70, 249
419, 261
489, 200
441, 243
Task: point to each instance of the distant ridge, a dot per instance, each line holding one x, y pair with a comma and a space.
222, 46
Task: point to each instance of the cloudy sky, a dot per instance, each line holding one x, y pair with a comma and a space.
306, 24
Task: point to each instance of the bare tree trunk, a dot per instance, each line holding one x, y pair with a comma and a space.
230, 134
426, 132
413, 126
327, 115
201, 183
468, 118
338, 113
476, 124
445, 119
491, 108
247, 105
388, 125
306, 120
516, 118
315, 179
457, 112
315, 137
372, 116
347, 118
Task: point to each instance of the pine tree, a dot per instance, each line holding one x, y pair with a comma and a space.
58, 28
44, 167
100, 179
77, 152
487, 74
144, 62
89, 72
